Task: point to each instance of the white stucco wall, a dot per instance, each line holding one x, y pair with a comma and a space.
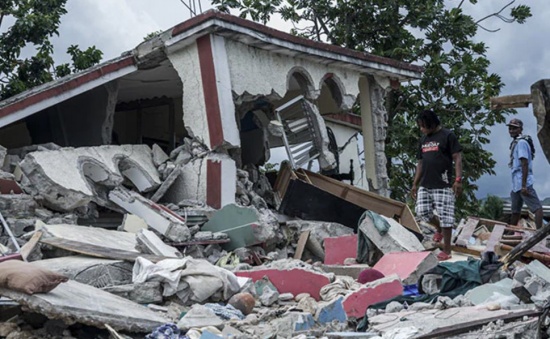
343, 134
186, 63
257, 71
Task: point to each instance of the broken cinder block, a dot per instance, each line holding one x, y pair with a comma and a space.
409, 266
338, 249
357, 302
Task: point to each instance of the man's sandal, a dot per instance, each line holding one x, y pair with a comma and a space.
442, 256
437, 237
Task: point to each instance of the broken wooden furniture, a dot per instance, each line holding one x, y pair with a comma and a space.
524, 241
313, 196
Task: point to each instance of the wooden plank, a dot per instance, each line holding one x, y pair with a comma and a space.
461, 249
496, 235
467, 231
30, 245
445, 332
301, 245
98, 251
367, 200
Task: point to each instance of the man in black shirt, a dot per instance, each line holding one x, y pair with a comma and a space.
437, 189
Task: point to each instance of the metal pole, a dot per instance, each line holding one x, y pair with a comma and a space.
6, 227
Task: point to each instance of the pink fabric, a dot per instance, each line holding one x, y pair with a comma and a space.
369, 275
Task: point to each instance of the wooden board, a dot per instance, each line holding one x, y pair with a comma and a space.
351, 195
30, 245
98, 251
496, 235
467, 231
301, 245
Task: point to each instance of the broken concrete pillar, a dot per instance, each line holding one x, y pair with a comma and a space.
208, 99
63, 178
357, 302
211, 179
409, 266
157, 217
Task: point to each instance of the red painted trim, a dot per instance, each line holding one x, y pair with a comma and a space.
210, 90
345, 117
65, 86
212, 14
214, 184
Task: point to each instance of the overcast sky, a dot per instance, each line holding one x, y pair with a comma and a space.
520, 54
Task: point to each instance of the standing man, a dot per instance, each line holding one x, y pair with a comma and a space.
437, 186
521, 163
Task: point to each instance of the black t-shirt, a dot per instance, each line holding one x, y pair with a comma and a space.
436, 152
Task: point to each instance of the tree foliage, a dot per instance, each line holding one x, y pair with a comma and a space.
491, 208
436, 34
33, 24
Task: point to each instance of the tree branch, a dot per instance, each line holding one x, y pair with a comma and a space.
497, 14
460, 4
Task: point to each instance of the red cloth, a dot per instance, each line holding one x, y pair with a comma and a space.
368, 275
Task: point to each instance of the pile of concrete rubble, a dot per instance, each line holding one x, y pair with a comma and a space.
144, 259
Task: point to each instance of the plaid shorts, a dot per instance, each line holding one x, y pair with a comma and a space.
440, 199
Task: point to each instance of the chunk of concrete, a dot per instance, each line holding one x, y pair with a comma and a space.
159, 156
95, 272
481, 294
210, 179
238, 223
155, 245
328, 312
90, 235
346, 270
157, 217
295, 281
409, 266
357, 302
200, 316
149, 292
66, 178
74, 302
397, 239
17, 205
338, 249
536, 268
132, 223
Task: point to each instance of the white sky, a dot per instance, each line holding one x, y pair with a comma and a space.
520, 54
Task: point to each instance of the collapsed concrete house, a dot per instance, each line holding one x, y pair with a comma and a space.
225, 81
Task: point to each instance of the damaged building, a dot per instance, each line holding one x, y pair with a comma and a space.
228, 83
137, 198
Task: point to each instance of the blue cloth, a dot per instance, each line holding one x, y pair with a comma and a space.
521, 150
410, 290
167, 331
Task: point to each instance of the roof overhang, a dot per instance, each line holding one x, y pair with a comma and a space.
261, 36
54, 92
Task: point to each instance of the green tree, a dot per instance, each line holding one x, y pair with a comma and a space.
436, 34
491, 208
34, 22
